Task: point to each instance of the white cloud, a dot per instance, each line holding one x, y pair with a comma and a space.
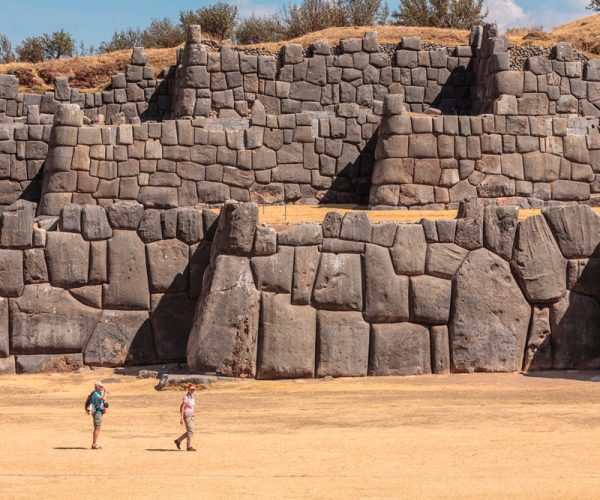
248, 7
505, 13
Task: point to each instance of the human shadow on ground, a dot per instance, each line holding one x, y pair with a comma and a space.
162, 449
67, 448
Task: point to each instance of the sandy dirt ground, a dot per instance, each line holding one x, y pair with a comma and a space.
457, 436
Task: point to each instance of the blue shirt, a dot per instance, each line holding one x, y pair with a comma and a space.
97, 401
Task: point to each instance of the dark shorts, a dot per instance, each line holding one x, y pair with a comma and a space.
97, 417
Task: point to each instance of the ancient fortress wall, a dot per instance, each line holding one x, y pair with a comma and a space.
111, 253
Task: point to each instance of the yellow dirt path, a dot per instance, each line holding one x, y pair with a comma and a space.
460, 436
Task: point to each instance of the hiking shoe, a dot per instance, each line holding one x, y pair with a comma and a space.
191, 449
178, 444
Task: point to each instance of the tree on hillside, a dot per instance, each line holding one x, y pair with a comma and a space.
458, 14
257, 29
161, 34
217, 20
594, 5
122, 40
6, 52
365, 12
58, 44
31, 50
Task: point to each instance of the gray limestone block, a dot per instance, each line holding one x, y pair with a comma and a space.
88, 295
288, 339
94, 223
576, 229
292, 53
443, 259
500, 225
342, 344
303, 234
167, 265
446, 229
338, 285
48, 320
440, 349
4, 331
171, 318
356, 226
334, 245
158, 197
384, 233
386, 294
125, 214
69, 115
430, 299
121, 338
236, 228
488, 327
469, 226
190, 228
411, 43
7, 366
150, 229
35, 270
538, 351
430, 230
127, 286
17, 225
224, 335
273, 273
265, 241
541, 167
564, 190
306, 263
267, 67
399, 349
537, 262
409, 250
508, 82
9, 86
98, 262
67, 256
48, 363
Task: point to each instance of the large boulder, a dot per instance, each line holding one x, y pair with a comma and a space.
386, 294
288, 339
224, 332
49, 320
68, 257
538, 263
127, 286
343, 344
121, 338
399, 349
575, 333
168, 265
236, 229
577, 230
409, 250
273, 273
488, 327
338, 285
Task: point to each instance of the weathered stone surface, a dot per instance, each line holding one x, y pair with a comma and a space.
575, 332
576, 229
409, 250
288, 339
440, 349
356, 227
224, 334
490, 318
500, 225
125, 214
121, 338
386, 294
88, 295
538, 351
4, 329
430, 300
11, 273
236, 228
48, 320
399, 349
127, 286
306, 262
443, 259
199, 263
273, 273
150, 229
303, 234
48, 363
343, 344
338, 285
67, 255
167, 265
17, 225
7, 366
35, 266
537, 262
189, 225
469, 226
171, 318
94, 223
265, 241
332, 225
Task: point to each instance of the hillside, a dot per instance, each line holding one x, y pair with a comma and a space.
93, 73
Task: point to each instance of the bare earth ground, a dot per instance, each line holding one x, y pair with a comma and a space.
458, 436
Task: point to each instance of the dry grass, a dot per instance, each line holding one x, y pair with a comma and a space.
584, 33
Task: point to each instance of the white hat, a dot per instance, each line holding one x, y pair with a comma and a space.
98, 384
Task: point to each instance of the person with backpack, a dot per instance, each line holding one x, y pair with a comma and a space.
186, 414
95, 406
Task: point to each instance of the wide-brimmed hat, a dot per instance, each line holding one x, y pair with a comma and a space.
99, 384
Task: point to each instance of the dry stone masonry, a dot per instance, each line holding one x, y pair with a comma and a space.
129, 218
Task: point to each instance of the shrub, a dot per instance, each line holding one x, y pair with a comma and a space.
458, 14
122, 40
256, 29
161, 34
58, 44
217, 20
31, 50
594, 5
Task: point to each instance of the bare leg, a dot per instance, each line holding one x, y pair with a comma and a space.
96, 434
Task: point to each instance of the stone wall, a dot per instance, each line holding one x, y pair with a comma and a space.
436, 162
483, 292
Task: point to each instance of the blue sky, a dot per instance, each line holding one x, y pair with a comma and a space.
95, 20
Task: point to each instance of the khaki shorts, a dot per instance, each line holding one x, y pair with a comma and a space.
97, 417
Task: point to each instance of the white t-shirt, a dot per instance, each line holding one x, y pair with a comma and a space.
189, 404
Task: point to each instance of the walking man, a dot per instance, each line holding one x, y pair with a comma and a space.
186, 413
96, 408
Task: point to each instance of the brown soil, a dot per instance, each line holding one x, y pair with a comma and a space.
459, 436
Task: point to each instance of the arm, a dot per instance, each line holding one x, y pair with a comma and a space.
181, 408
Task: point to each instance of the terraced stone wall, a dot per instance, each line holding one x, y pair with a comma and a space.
530, 161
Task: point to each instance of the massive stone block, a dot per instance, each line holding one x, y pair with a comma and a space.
443, 259
167, 264
273, 273
288, 339
500, 225
225, 328
537, 262
430, 299
121, 338
127, 286
575, 332
577, 230
409, 250
399, 349
236, 228
47, 320
68, 257
490, 316
538, 351
11, 273
338, 285
386, 294
306, 263
342, 344
48, 363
